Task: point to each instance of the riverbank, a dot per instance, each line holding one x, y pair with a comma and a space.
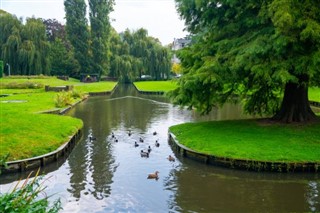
26, 131
252, 141
159, 87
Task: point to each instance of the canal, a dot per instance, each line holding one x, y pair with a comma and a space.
108, 174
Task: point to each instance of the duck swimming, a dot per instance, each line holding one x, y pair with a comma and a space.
136, 144
154, 133
157, 143
129, 133
91, 138
141, 140
149, 149
153, 175
144, 154
170, 158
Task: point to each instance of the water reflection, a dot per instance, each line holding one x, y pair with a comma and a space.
103, 175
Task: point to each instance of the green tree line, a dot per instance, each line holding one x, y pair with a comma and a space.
47, 47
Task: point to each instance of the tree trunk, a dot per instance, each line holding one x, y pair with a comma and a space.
295, 105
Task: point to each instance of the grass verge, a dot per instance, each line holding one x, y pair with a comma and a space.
156, 86
24, 131
252, 140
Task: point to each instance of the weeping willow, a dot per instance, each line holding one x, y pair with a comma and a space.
24, 46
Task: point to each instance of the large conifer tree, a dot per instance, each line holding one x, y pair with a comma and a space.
78, 33
259, 50
100, 31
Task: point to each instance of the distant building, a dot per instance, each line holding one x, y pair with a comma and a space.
178, 44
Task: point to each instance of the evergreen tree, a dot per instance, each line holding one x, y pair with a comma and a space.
100, 31
256, 50
78, 33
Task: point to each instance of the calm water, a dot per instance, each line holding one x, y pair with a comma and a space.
108, 176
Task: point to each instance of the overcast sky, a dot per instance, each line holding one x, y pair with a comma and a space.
159, 17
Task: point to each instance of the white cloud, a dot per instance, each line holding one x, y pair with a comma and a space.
159, 17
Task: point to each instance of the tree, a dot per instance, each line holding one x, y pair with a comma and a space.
78, 33
100, 31
24, 47
256, 50
62, 60
135, 54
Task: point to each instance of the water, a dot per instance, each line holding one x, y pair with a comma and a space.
103, 175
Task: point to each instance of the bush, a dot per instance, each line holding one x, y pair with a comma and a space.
27, 198
63, 99
77, 94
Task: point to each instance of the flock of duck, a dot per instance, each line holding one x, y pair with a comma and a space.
143, 153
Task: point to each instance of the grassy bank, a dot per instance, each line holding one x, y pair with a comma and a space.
314, 94
252, 140
153, 86
24, 131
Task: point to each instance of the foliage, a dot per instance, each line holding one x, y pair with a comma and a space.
256, 50
252, 140
176, 68
134, 54
78, 32
27, 198
62, 60
3, 162
100, 32
63, 99
24, 46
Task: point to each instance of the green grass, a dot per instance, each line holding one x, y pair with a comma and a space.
164, 86
314, 94
252, 140
22, 131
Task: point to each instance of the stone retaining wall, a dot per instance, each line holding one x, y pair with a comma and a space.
249, 165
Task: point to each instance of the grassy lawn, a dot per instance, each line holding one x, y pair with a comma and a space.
164, 86
252, 140
314, 94
22, 131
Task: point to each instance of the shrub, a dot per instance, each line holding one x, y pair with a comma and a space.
63, 99
77, 94
27, 198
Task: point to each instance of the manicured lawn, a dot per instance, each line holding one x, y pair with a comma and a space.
252, 140
164, 86
24, 131
314, 94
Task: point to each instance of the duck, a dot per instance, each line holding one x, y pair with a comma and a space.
149, 149
144, 154
170, 158
112, 135
92, 138
116, 139
141, 140
154, 133
129, 133
157, 143
153, 175
136, 144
